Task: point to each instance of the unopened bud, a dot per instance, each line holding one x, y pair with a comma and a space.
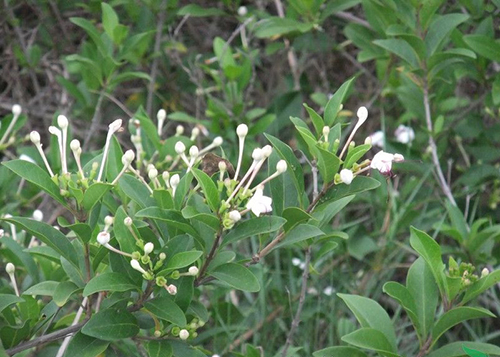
180, 147
242, 130
128, 221
148, 248
35, 137
62, 121
10, 268
193, 271
218, 141
281, 166
16, 110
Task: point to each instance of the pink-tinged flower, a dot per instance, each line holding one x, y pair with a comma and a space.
172, 289
382, 161
259, 203
377, 138
404, 134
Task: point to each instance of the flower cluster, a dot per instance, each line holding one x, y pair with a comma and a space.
465, 271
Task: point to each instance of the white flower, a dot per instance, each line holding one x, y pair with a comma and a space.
267, 150
346, 176
194, 133
112, 128
242, 130
378, 138
242, 10
103, 238
193, 271
38, 215
382, 161
74, 145
328, 291
174, 182
172, 289
234, 216
109, 220
10, 268
148, 248
161, 115
404, 134
184, 334
222, 166
259, 203
16, 110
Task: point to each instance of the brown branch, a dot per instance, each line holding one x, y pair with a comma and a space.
200, 279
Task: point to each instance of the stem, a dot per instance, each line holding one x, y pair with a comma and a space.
423, 351
67, 339
296, 319
209, 259
95, 121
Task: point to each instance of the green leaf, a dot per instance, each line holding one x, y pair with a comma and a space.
109, 20
159, 349
136, 191
440, 29
171, 217
473, 353
481, 286
371, 339
182, 259
333, 106
294, 216
484, 46
209, 189
300, 233
454, 317
37, 176
328, 164
400, 48
455, 349
316, 119
420, 283
198, 11
94, 193
63, 292
45, 288
340, 351
405, 298
49, 235
276, 26
85, 346
108, 282
165, 309
371, 315
458, 221
355, 154
327, 211
111, 325
430, 250
82, 230
237, 276
252, 227
91, 30
6, 300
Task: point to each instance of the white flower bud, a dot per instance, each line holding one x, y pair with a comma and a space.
174, 180
281, 166
184, 334
62, 121
165, 175
368, 140
74, 145
128, 221
172, 289
115, 126
163, 256
103, 238
234, 216
242, 130
10, 268
362, 115
296, 262
346, 176
54, 131
267, 150
180, 147
326, 130
161, 115
242, 10
153, 173
38, 215
222, 166
257, 154
195, 132
193, 270
148, 248
109, 220
179, 130
16, 110
218, 141
193, 151
35, 137
484, 272
137, 266
128, 157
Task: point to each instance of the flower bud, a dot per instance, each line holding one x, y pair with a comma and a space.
172, 289
398, 158
346, 176
161, 115
368, 140
162, 256
267, 150
257, 154
109, 220
484, 272
242, 130
10, 268
153, 173
222, 166
174, 180
179, 130
103, 238
16, 110
180, 147
2, 233
165, 175
195, 132
281, 166
234, 216
193, 151
148, 248
35, 137
326, 130
38, 215
115, 126
193, 270
242, 10
62, 121
128, 221
218, 141
362, 115
137, 266
128, 157
157, 333
75, 145
183, 334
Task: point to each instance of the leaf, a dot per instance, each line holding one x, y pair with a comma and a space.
484, 46
136, 191
50, 236
300, 233
355, 154
236, 276
181, 260
94, 193
371, 315
440, 29
165, 309
358, 185
340, 351
63, 292
37, 176
405, 298
198, 11
421, 285
108, 282
473, 353
316, 119
370, 339
458, 221
85, 346
6, 300
481, 286
400, 48
91, 30
45, 288
327, 211
328, 164
109, 20
159, 349
294, 216
430, 250
455, 349
111, 325
252, 227
276, 26
82, 230
454, 317
333, 106
171, 217
209, 189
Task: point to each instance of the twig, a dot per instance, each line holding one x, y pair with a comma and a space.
209, 259
302, 299
154, 65
67, 339
95, 121
351, 18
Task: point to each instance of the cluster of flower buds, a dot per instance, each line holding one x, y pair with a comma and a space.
6, 139
465, 271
